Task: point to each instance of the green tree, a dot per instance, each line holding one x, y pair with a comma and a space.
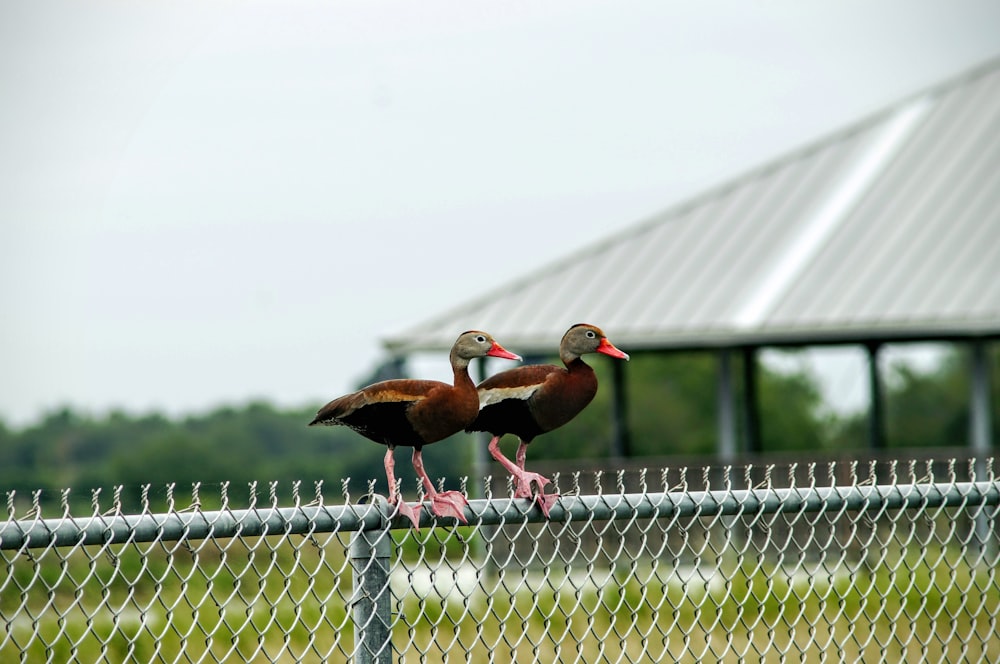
673, 410
790, 412
926, 408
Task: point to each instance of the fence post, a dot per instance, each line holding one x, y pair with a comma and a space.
370, 551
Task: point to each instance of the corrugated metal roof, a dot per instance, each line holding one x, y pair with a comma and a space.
887, 229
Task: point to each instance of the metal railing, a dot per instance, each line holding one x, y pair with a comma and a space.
887, 562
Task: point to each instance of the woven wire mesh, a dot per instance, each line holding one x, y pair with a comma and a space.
800, 563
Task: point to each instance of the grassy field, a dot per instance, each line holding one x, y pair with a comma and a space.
288, 599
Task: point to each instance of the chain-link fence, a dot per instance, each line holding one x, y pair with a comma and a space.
883, 562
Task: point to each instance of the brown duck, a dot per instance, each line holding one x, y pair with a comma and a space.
534, 399
414, 413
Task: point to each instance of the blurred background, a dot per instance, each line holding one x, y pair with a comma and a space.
212, 215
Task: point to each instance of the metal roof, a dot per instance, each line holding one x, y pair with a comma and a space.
889, 229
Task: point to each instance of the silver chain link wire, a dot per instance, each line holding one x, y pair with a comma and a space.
804, 563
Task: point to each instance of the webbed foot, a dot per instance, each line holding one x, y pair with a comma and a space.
449, 503
527, 482
412, 513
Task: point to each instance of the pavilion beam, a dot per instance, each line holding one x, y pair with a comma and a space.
725, 399
876, 409
751, 404
980, 419
621, 442
481, 459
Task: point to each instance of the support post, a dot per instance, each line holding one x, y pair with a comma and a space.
370, 551
751, 406
482, 544
480, 458
979, 411
980, 430
724, 398
621, 444
876, 412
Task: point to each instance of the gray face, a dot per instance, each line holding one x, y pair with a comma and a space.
583, 339
473, 344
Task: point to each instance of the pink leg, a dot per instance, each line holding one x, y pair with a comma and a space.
522, 454
525, 479
413, 514
443, 503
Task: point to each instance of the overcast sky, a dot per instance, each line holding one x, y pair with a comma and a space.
206, 202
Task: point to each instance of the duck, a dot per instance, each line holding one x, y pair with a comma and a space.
414, 413
534, 399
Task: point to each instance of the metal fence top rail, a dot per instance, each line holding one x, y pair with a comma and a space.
903, 490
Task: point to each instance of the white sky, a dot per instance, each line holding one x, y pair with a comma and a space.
205, 202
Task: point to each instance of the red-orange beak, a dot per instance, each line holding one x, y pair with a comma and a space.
499, 351
608, 348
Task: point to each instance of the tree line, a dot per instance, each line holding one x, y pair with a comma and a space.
672, 411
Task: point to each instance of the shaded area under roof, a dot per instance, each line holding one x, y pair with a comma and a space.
887, 230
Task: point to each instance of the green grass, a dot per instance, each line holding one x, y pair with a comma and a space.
282, 600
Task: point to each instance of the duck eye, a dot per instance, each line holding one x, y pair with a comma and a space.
591, 335
481, 339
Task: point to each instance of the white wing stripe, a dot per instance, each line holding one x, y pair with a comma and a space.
498, 394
